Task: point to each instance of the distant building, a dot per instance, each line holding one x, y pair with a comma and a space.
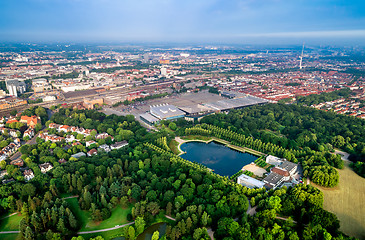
15, 86
11, 102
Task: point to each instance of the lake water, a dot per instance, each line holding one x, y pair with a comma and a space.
147, 234
223, 160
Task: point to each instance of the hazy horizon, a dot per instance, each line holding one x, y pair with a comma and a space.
215, 21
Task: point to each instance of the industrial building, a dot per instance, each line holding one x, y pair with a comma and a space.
166, 112
226, 105
197, 112
161, 112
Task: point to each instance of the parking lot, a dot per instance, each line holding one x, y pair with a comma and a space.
179, 100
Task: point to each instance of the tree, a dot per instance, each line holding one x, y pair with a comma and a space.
172, 126
156, 235
139, 224
72, 221
131, 233
29, 234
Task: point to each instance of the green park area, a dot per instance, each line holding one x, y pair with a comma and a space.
10, 223
118, 217
347, 202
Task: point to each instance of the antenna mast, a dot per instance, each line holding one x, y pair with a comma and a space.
301, 58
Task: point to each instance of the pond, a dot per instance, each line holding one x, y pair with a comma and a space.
147, 234
223, 160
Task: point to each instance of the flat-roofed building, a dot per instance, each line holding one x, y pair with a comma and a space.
249, 182
273, 180
148, 118
166, 112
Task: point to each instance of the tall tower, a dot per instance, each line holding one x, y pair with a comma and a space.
301, 58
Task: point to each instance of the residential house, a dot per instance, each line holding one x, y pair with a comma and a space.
51, 137
118, 145
17, 162
3, 174
13, 133
62, 160
70, 138
29, 133
28, 174
11, 120
92, 152
30, 121
45, 167
103, 136
64, 128
91, 142
104, 147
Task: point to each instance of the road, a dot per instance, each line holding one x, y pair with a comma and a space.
344, 155
107, 229
18, 154
9, 215
7, 232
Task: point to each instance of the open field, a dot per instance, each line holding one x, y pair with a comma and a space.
255, 169
10, 236
347, 202
10, 223
106, 235
118, 217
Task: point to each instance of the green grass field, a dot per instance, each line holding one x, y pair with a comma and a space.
118, 217
10, 223
174, 146
106, 235
10, 236
347, 202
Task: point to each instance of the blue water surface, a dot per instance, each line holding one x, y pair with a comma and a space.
223, 160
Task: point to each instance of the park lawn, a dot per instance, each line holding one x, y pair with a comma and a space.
81, 216
174, 146
10, 236
118, 217
106, 235
10, 223
347, 201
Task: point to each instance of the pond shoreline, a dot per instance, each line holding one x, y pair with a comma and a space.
221, 141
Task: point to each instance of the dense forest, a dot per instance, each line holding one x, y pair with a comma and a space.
153, 180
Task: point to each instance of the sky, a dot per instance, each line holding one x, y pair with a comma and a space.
211, 21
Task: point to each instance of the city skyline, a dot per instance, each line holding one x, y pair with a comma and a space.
246, 21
